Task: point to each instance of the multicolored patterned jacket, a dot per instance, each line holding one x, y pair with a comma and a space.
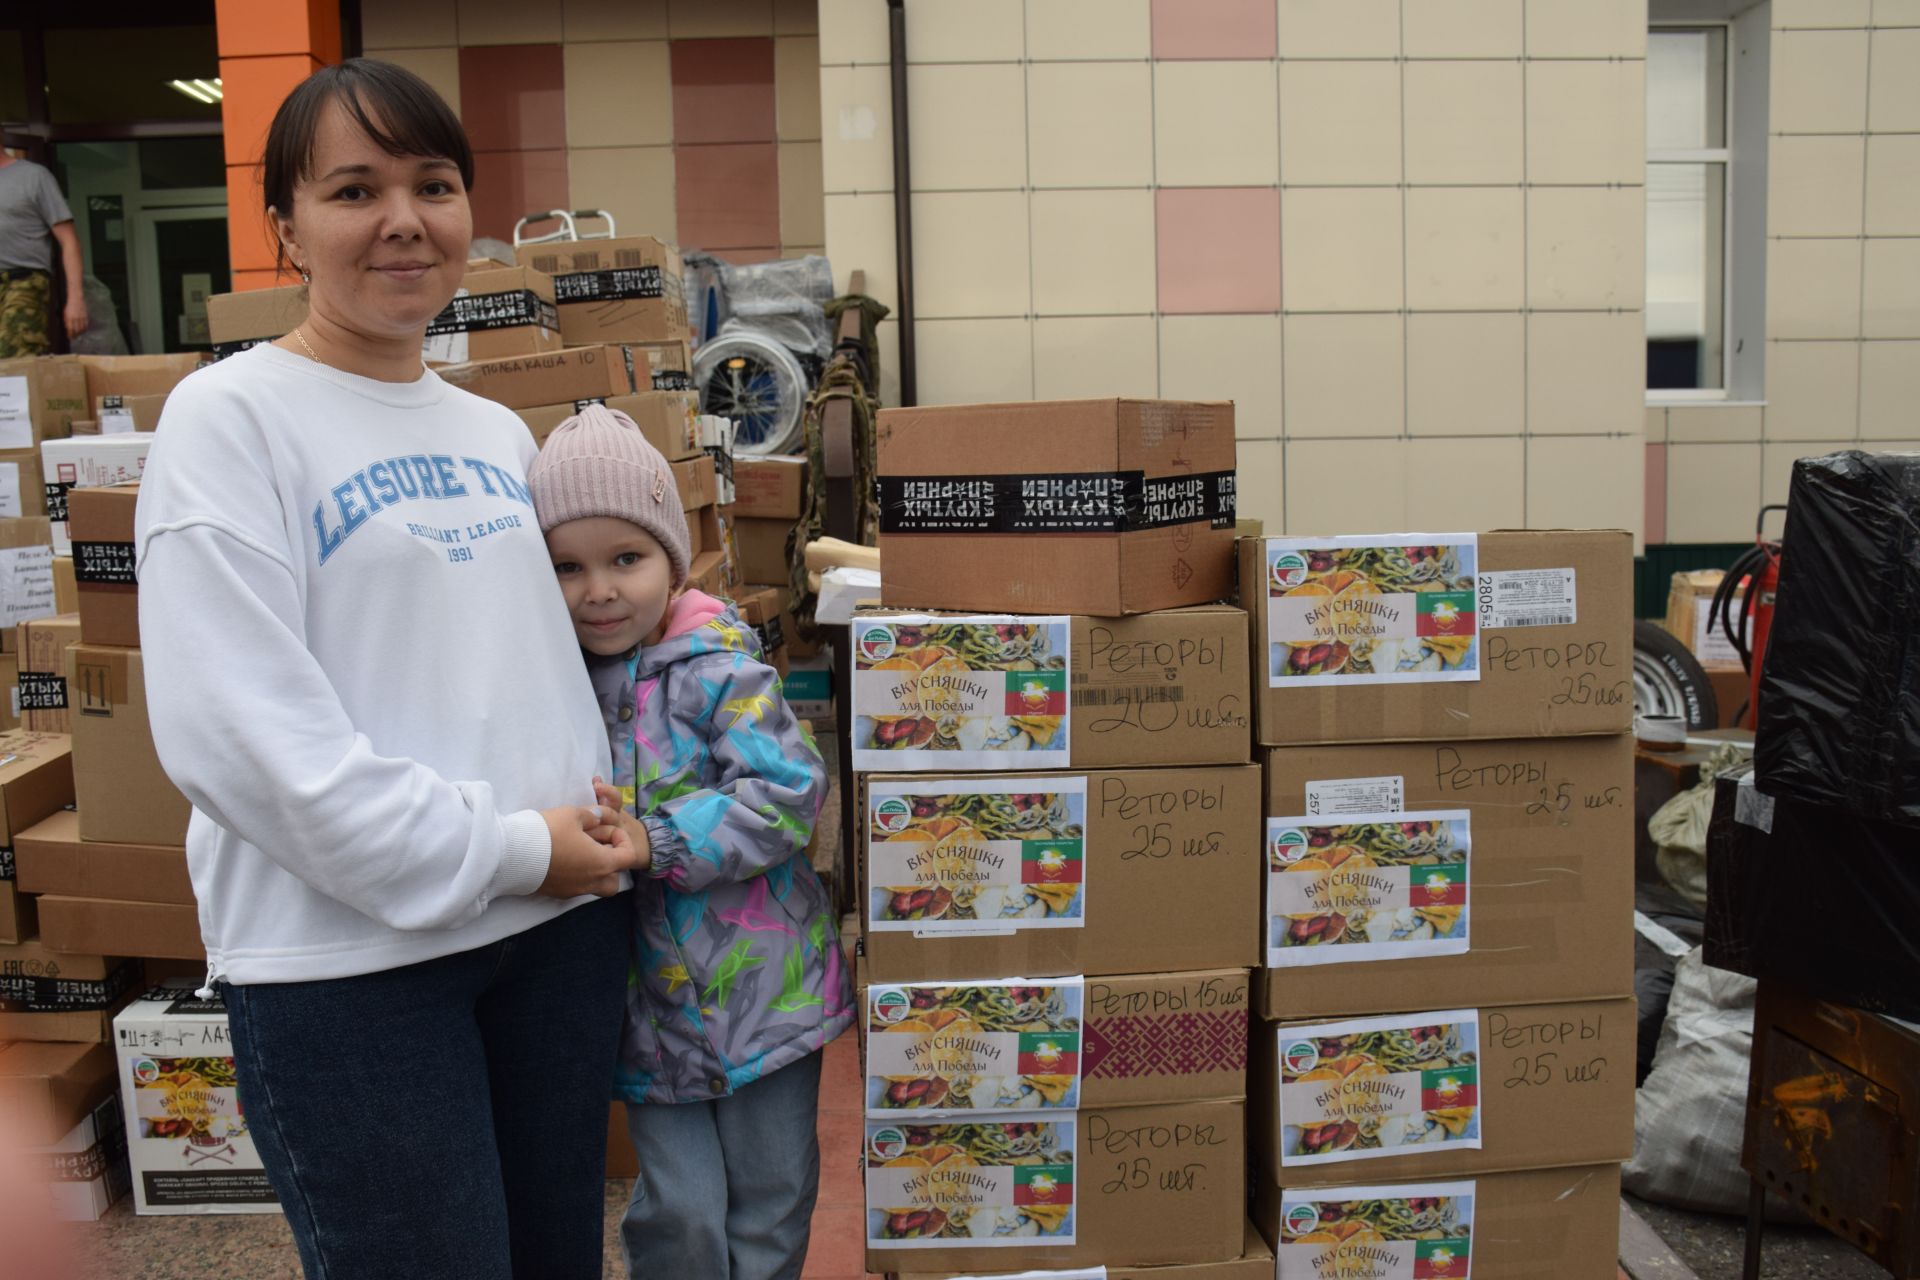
736, 953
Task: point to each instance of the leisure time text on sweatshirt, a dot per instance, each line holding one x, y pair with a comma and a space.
359, 667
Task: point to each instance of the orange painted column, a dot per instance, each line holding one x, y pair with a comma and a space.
266, 48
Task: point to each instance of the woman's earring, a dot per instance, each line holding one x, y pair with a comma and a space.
305, 278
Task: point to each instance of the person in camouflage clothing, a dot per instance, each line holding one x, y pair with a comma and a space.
34, 219
738, 981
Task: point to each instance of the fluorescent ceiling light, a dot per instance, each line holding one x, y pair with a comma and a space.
202, 91
210, 86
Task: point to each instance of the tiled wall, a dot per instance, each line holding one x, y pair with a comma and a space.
1843, 275
694, 120
1407, 238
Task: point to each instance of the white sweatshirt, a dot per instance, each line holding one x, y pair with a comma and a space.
359, 667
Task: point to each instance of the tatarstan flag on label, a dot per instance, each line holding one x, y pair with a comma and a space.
1440, 1259
1036, 693
1443, 886
1049, 1053
1447, 1088
1051, 862
1444, 613
1043, 1184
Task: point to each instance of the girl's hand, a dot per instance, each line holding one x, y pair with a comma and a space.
636, 830
590, 850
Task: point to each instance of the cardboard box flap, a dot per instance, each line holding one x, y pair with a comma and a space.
48, 1088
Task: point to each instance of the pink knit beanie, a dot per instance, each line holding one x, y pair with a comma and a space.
597, 463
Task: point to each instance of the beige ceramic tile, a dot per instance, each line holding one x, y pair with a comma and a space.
976, 31
1233, 358
1093, 357
1895, 100
1890, 302
802, 206
856, 119
1340, 249
1587, 482
1713, 492
508, 22
1090, 124
1586, 373
853, 31
1440, 472
438, 67
1790, 15
1462, 28
1896, 13
1093, 252
1813, 185
1322, 478
1466, 249
608, 19
796, 88
970, 254
1339, 29
1586, 28
860, 236
1465, 121
1819, 82
974, 361
1215, 125
422, 24
1656, 432
1339, 122
1261, 488
1466, 374
1345, 376
1813, 288
969, 126
1714, 423
1586, 122
1076, 29
1776, 469
1586, 247
1813, 390
1893, 185
619, 94
634, 184
796, 17
1889, 390
711, 19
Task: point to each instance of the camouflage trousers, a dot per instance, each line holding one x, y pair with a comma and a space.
26, 299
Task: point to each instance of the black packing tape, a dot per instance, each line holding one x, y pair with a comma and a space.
1065, 502
478, 312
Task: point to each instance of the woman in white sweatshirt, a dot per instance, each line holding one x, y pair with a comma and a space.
361, 672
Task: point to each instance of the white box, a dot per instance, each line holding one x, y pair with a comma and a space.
186, 1136
84, 462
86, 1171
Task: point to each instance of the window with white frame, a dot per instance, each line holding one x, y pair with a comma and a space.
1689, 178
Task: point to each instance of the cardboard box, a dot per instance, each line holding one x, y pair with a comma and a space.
671, 364
1160, 844
23, 490
666, 418
1102, 507
1254, 1263
36, 779
46, 1088
499, 311
237, 321
47, 995
42, 679
117, 415
710, 573
809, 686
769, 488
768, 610
26, 576
40, 396
1689, 605
1555, 1087
53, 859
1535, 681
187, 1138
1549, 871
88, 462
123, 794
17, 919
704, 532
162, 929
1527, 1224
100, 526
1153, 1185
66, 591
137, 375
763, 548
555, 377
86, 1171
622, 290
696, 479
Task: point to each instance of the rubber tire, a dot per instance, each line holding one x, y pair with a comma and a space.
1680, 666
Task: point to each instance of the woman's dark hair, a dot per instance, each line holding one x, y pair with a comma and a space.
396, 108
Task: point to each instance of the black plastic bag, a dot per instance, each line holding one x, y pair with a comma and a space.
1840, 691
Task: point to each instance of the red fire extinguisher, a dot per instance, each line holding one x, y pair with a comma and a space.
1743, 609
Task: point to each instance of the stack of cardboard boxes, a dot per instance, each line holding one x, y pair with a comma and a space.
1060, 820
1445, 1059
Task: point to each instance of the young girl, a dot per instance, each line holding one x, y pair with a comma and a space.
738, 981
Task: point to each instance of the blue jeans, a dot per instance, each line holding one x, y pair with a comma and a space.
726, 1188
444, 1119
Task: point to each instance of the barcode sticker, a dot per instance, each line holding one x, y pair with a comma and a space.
1332, 797
1527, 598
115, 420
1139, 695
